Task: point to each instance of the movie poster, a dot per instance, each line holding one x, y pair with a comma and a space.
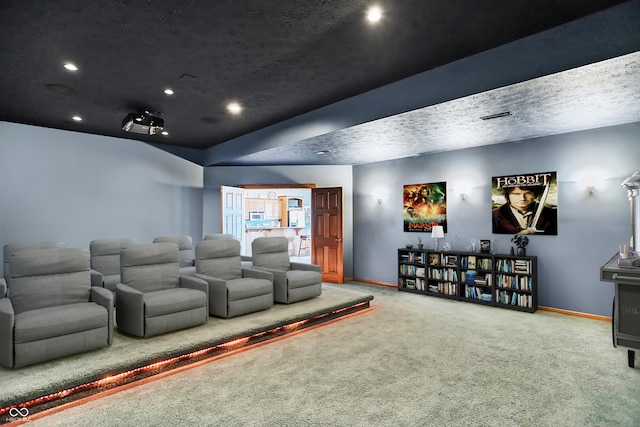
525, 204
425, 205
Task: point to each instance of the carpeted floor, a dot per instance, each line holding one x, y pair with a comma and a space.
127, 352
411, 361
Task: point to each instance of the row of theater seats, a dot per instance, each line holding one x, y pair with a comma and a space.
57, 301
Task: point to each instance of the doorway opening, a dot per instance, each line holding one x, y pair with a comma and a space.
271, 210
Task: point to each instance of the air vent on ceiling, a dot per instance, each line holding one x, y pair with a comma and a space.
496, 116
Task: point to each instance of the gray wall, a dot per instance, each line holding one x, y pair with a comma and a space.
74, 187
322, 176
58, 185
590, 228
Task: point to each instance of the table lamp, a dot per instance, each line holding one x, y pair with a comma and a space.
437, 232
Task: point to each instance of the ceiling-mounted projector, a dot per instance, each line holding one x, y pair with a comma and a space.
144, 123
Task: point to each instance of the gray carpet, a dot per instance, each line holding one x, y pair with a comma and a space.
126, 352
412, 361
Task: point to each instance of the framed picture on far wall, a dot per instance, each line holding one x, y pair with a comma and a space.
424, 205
525, 204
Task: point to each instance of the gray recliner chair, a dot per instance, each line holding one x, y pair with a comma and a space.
233, 290
292, 281
154, 297
186, 259
52, 310
105, 261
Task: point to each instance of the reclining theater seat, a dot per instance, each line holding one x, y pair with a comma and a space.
185, 252
105, 261
52, 310
292, 281
233, 290
154, 297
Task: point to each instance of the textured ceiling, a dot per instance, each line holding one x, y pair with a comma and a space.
280, 60
596, 95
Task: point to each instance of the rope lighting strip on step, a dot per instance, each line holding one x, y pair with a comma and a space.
132, 375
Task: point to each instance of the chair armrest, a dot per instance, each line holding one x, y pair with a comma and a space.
130, 312
7, 321
217, 294
197, 283
3, 287
254, 273
279, 276
104, 297
193, 282
305, 266
96, 278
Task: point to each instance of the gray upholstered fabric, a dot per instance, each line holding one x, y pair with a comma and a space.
175, 321
106, 299
233, 290
185, 248
243, 288
53, 310
170, 301
271, 252
105, 261
219, 258
153, 297
246, 260
60, 346
292, 282
3, 287
12, 248
42, 278
219, 237
7, 322
58, 320
105, 255
150, 267
110, 281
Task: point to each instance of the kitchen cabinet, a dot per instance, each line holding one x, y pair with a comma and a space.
270, 207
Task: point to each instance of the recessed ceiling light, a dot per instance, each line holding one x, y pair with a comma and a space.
71, 67
164, 132
168, 91
374, 14
77, 118
321, 152
234, 108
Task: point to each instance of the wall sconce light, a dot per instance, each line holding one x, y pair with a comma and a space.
591, 189
437, 232
463, 196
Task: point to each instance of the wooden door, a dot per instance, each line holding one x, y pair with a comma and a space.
232, 215
327, 234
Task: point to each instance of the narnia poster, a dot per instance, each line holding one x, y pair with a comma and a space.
525, 204
425, 205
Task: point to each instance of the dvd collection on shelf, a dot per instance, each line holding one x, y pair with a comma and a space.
506, 281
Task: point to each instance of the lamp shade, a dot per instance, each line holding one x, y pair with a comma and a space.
437, 232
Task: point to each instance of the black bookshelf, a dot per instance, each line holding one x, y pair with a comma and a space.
506, 281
